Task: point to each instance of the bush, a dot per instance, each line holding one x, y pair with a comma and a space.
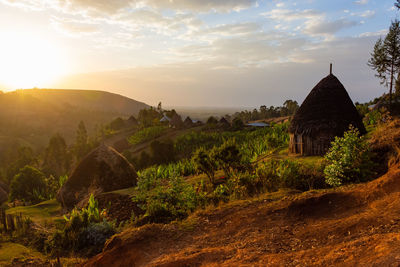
205, 162
147, 134
348, 159
167, 203
85, 231
28, 185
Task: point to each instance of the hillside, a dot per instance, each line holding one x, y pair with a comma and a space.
33, 115
357, 225
87, 99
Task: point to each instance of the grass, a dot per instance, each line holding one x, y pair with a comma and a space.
49, 210
9, 251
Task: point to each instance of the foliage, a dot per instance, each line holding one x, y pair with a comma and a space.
205, 162
151, 177
81, 146
212, 120
117, 124
57, 159
385, 59
149, 117
24, 156
167, 203
348, 159
28, 185
162, 152
289, 108
237, 124
252, 143
147, 134
85, 231
227, 155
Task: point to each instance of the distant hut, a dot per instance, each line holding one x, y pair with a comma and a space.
176, 121
326, 112
188, 122
132, 121
224, 122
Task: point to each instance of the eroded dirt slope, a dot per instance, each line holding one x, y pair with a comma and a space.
357, 226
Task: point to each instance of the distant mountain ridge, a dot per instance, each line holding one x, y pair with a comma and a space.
87, 99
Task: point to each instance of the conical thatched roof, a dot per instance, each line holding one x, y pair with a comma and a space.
223, 121
327, 108
188, 122
3, 195
102, 170
132, 120
176, 121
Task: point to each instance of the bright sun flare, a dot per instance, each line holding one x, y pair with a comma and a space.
27, 61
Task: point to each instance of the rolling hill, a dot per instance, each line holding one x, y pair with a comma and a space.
33, 115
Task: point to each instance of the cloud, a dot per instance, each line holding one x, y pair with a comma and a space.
312, 23
292, 15
74, 28
361, 2
315, 27
202, 5
214, 83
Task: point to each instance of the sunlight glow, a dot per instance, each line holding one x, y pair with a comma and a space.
28, 61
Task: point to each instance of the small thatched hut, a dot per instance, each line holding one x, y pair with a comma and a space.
326, 112
188, 122
224, 122
176, 121
102, 170
132, 121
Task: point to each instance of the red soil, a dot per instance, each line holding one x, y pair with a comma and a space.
346, 227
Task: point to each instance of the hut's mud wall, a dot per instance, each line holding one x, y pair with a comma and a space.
310, 146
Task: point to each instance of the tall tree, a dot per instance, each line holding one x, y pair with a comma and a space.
81, 143
56, 157
385, 59
397, 4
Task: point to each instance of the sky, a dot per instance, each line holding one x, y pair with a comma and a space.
197, 53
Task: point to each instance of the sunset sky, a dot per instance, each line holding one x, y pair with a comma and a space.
232, 53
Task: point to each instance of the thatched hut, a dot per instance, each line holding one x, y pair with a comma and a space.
132, 121
102, 170
176, 121
224, 122
188, 122
326, 112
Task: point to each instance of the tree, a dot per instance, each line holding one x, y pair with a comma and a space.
206, 163
25, 156
28, 185
397, 4
56, 158
81, 143
385, 59
228, 156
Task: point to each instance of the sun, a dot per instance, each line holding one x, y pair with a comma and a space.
28, 61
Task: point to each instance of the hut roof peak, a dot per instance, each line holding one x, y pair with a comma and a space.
327, 107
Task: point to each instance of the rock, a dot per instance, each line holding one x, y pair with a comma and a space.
102, 170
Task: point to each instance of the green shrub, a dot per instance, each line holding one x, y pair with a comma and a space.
28, 185
348, 159
167, 203
85, 232
206, 162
